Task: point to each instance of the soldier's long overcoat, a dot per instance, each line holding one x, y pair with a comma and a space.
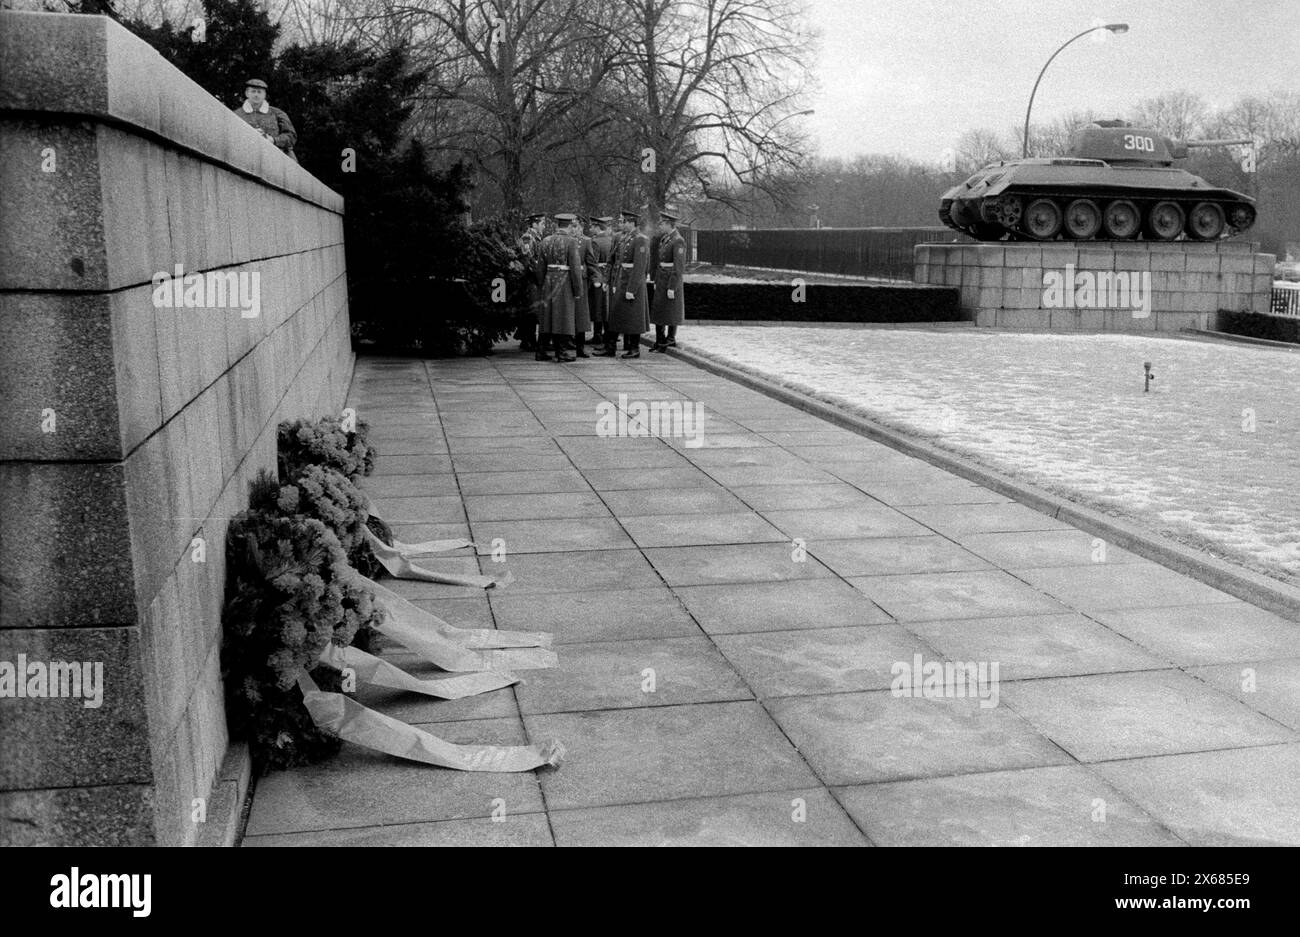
668, 276
560, 262
630, 316
529, 246
582, 307
598, 278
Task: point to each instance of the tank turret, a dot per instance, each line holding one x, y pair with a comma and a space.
1117, 182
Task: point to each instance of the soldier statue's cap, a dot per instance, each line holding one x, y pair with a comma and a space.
255, 83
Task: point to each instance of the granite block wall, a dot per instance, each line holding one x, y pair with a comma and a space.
132, 427
1182, 284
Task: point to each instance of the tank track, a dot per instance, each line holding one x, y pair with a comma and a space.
986, 230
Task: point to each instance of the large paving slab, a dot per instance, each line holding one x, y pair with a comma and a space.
731, 619
779, 818
622, 756
931, 596
1060, 806
1029, 646
1235, 797
778, 606
360, 788
1271, 687
1103, 717
624, 674
852, 738
825, 660
1207, 634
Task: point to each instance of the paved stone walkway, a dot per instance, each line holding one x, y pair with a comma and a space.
1120, 719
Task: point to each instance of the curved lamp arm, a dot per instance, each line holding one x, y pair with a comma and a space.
1113, 27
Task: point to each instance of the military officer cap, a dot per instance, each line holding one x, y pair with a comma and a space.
565, 218
670, 214
603, 219
255, 83
630, 215
536, 216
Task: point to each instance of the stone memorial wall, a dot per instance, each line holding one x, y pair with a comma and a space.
136, 414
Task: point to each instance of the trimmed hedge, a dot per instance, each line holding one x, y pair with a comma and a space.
863, 252
1255, 325
823, 302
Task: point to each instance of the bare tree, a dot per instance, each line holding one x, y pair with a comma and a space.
711, 90
1272, 120
1177, 114
507, 75
977, 148
1055, 137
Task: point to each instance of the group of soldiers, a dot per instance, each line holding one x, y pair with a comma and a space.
595, 273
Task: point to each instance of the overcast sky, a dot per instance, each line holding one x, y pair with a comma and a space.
910, 76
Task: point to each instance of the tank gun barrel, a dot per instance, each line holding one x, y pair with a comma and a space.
1178, 148
1190, 143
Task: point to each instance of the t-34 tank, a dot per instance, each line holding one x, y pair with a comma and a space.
1117, 183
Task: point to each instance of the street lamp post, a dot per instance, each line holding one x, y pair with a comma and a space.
1116, 28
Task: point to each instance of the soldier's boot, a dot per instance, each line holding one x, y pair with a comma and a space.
580, 345
659, 339
597, 334
542, 349
563, 354
631, 346
610, 348
672, 336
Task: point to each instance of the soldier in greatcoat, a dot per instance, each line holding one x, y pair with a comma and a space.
602, 241
582, 312
529, 244
560, 263
628, 312
669, 308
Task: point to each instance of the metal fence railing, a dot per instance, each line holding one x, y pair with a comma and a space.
1286, 300
864, 252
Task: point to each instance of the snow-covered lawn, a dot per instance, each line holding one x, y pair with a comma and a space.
1210, 457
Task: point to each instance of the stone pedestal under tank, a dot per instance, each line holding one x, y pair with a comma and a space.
1117, 286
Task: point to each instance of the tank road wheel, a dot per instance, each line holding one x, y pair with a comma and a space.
1042, 219
1205, 222
1122, 220
1165, 221
1242, 217
1082, 219
1009, 210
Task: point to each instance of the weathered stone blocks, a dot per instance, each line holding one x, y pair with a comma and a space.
114, 518
1121, 286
